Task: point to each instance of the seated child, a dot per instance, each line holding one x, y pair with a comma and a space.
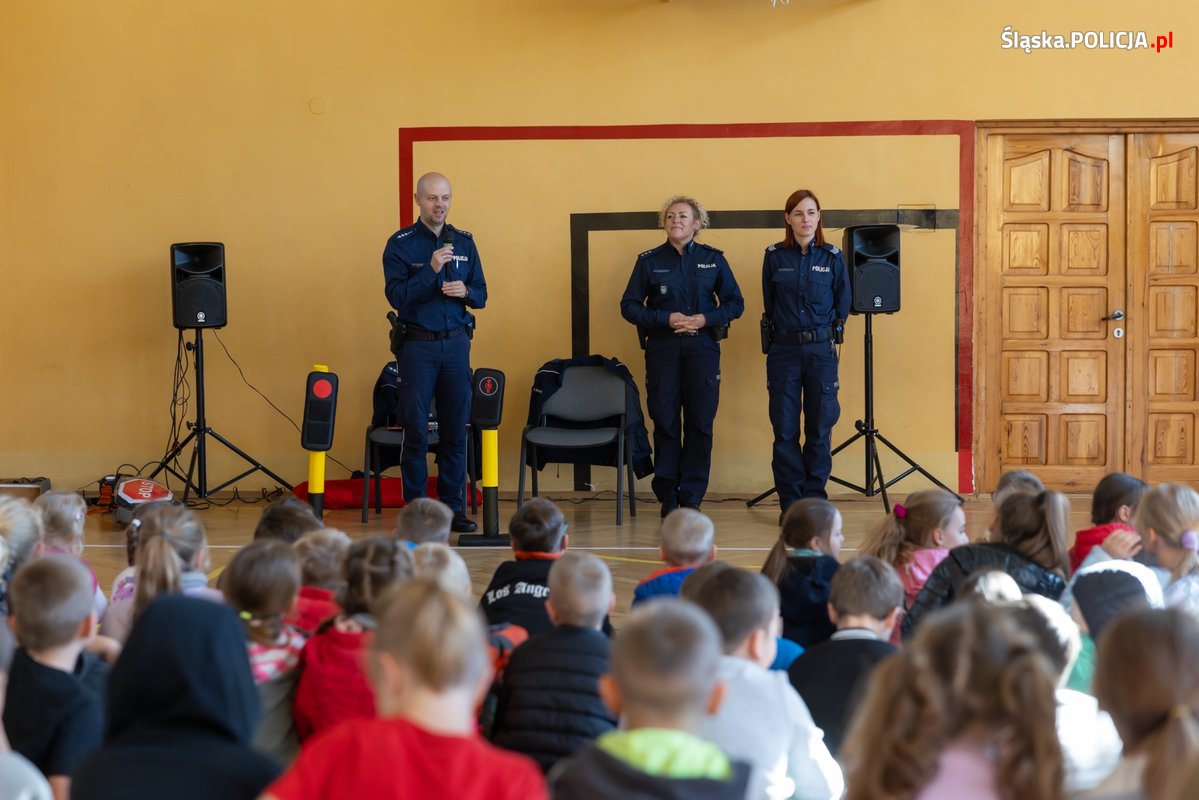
429, 668
915, 537
1113, 508
687, 542
322, 555
62, 527
801, 564
864, 602
124, 584
261, 584
548, 700
172, 558
965, 711
287, 518
1089, 742
1015, 481
1102, 592
21, 527
1168, 521
518, 588
424, 519
1029, 544
762, 720
1145, 677
662, 685
54, 709
332, 686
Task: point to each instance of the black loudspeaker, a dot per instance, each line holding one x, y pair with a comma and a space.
488, 405
872, 257
320, 411
198, 285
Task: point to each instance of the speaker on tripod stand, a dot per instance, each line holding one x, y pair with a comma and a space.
872, 259
198, 302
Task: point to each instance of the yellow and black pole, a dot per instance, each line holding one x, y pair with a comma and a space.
316, 433
486, 411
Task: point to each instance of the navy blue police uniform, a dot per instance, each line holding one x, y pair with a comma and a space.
806, 296
682, 371
435, 359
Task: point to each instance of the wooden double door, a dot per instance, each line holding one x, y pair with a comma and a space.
1089, 245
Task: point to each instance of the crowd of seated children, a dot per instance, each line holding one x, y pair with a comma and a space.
260, 584
422, 520
63, 514
172, 558
865, 599
662, 685
287, 519
54, 707
915, 537
965, 712
182, 711
1145, 677
322, 555
687, 541
548, 705
762, 720
1029, 544
429, 667
801, 564
332, 685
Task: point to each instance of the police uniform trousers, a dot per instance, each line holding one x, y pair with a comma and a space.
802, 377
438, 368
682, 377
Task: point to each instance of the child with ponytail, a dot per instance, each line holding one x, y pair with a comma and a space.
1168, 521
1029, 544
1146, 679
966, 712
801, 564
915, 537
1113, 509
172, 558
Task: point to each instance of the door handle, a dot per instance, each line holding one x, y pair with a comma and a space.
1116, 315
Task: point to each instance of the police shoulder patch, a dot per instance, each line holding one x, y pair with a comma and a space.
467, 234
403, 233
710, 248
832, 248
770, 248
647, 253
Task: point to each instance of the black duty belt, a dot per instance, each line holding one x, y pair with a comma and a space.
418, 335
804, 337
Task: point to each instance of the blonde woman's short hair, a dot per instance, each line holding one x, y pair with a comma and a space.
700, 212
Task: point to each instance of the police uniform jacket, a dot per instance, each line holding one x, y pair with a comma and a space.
805, 291
414, 289
697, 281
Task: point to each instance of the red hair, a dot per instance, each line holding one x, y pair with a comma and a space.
792, 202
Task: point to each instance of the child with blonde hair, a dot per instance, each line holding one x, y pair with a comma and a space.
62, 525
915, 537
424, 519
801, 564
21, 527
172, 558
261, 584
1029, 544
322, 554
1168, 521
428, 665
966, 712
1145, 677
687, 541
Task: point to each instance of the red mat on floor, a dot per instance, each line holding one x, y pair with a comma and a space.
347, 493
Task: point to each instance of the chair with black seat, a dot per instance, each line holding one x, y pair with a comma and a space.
588, 395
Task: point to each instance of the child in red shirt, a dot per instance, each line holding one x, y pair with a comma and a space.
428, 663
322, 556
333, 686
1113, 508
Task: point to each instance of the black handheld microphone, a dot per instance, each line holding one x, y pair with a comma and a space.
446, 239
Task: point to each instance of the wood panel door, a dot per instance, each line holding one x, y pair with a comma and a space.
1163, 232
1054, 253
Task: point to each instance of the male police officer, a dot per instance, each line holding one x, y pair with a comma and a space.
682, 297
433, 276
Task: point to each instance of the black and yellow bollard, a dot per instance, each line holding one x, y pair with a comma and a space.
316, 433
486, 411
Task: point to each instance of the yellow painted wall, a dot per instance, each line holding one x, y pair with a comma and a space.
271, 126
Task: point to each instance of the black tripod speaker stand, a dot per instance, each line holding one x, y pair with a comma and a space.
875, 482
196, 478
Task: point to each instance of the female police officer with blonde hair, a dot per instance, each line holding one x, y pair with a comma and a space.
806, 293
682, 296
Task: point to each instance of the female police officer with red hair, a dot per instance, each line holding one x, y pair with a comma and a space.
806, 291
682, 296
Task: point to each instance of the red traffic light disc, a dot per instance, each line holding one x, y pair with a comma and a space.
322, 388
